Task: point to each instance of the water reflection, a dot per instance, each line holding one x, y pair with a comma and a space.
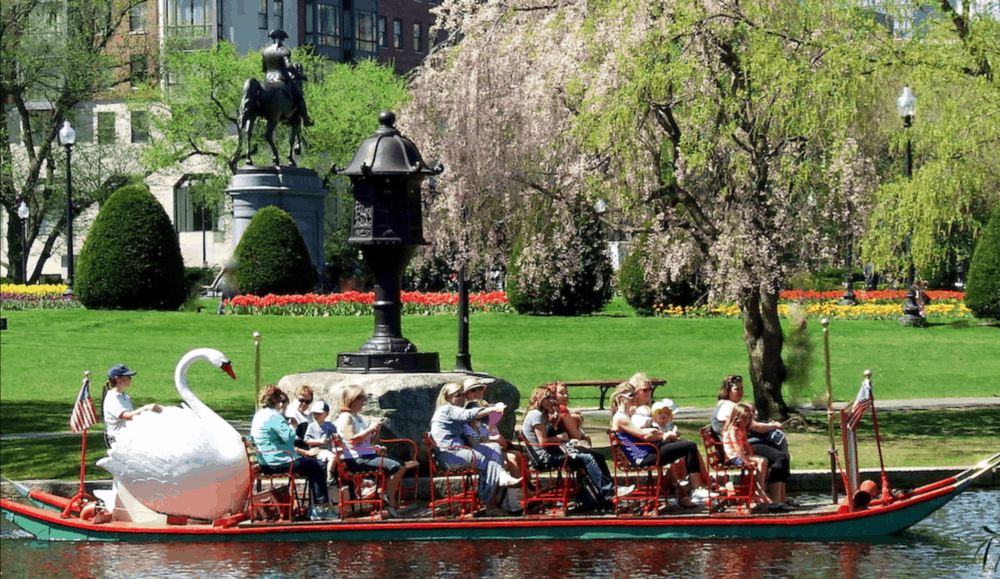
941, 546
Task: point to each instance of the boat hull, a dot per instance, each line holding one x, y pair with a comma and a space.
873, 522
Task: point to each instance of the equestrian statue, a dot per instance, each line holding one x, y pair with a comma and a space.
278, 99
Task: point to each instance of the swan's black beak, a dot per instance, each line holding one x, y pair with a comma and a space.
228, 369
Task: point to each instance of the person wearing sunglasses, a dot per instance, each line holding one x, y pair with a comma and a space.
767, 439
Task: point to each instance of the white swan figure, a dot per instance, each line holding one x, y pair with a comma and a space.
184, 460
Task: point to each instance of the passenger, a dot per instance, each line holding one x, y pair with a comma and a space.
738, 450
479, 431
572, 424
320, 435
360, 455
447, 430
766, 438
663, 420
670, 445
643, 389
297, 414
535, 431
274, 439
117, 406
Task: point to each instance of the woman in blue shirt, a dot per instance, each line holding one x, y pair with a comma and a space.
274, 440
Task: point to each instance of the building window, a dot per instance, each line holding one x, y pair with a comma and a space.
328, 31
366, 31
279, 14
262, 15
192, 211
418, 38
106, 128
191, 19
382, 38
397, 34
139, 70
137, 18
140, 127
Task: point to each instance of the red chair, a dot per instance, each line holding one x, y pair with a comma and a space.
646, 496
278, 502
463, 502
723, 491
546, 491
357, 498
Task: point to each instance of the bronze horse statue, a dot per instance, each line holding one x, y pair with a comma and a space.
277, 99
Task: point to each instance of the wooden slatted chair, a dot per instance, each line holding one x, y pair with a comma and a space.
723, 490
463, 502
283, 501
545, 491
646, 496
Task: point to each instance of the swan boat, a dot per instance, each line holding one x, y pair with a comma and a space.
42, 517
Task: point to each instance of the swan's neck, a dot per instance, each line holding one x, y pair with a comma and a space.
180, 381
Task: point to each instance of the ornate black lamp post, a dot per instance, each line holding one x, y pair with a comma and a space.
23, 212
67, 136
906, 105
386, 173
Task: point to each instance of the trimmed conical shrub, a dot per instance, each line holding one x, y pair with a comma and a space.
131, 259
272, 257
982, 292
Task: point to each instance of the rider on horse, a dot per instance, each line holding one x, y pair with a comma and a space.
282, 72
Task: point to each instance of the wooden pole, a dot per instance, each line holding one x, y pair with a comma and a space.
829, 409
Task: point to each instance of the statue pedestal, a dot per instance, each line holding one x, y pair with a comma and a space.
405, 400
298, 191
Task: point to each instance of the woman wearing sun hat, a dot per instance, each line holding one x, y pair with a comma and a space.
117, 405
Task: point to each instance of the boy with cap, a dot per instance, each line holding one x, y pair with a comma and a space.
320, 434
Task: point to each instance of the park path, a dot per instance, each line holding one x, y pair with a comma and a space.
598, 416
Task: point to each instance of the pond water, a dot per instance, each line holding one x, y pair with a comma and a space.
942, 546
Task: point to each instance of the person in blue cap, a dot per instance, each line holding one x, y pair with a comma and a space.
117, 405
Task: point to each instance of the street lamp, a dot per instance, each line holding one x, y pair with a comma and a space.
23, 213
67, 136
906, 106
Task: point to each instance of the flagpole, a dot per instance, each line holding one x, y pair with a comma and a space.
829, 409
256, 370
81, 496
886, 495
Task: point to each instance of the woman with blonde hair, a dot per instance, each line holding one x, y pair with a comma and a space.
447, 431
671, 447
360, 454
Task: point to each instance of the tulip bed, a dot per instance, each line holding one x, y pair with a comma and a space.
872, 305
16, 297
357, 304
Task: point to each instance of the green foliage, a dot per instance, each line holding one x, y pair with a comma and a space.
632, 283
272, 257
131, 259
982, 293
541, 258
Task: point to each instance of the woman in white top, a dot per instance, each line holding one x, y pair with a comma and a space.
360, 455
117, 405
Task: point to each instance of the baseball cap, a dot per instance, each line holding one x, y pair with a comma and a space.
120, 370
319, 407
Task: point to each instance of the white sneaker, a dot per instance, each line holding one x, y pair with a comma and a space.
508, 481
625, 491
702, 494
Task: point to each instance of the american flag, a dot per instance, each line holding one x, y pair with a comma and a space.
83, 416
862, 403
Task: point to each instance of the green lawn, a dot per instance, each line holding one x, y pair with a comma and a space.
44, 352
43, 355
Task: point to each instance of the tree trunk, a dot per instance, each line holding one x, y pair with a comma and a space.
763, 338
